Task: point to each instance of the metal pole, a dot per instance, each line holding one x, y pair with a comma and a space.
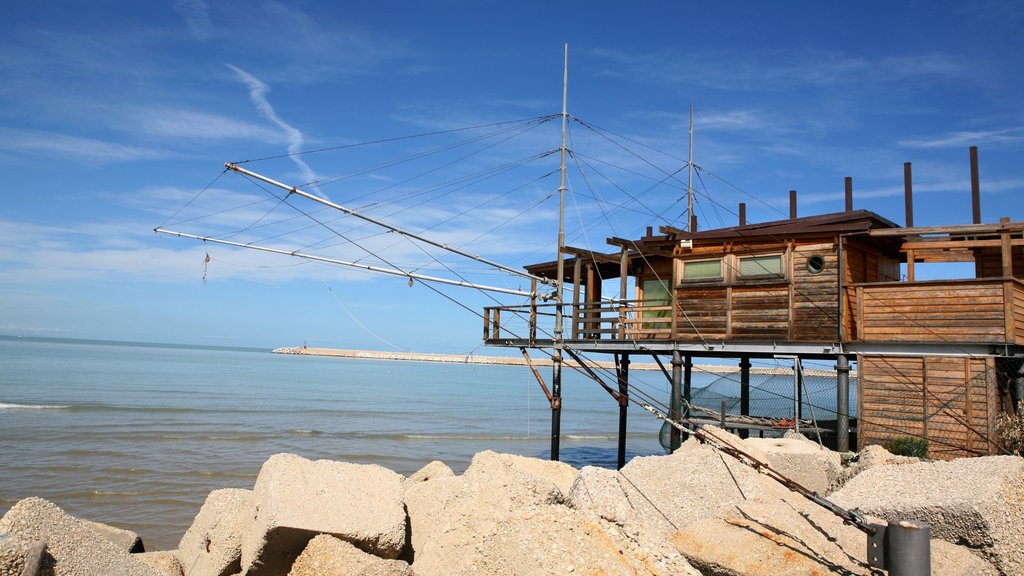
406, 233
906, 548
975, 186
623, 406
908, 194
675, 401
848, 184
842, 403
690, 217
688, 381
391, 271
744, 392
556, 379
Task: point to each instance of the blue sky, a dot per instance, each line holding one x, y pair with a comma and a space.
115, 115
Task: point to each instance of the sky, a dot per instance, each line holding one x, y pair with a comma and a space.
117, 118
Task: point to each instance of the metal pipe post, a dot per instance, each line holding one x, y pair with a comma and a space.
675, 402
975, 186
623, 408
848, 184
908, 194
744, 392
908, 548
842, 403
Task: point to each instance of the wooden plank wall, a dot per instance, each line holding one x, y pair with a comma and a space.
703, 312
989, 263
950, 401
815, 296
1018, 312
933, 312
760, 312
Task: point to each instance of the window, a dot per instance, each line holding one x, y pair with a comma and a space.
761, 266
657, 293
702, 270
815, 264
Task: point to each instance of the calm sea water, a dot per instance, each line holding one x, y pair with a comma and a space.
137, 436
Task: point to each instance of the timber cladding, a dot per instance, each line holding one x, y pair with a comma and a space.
949, 401
936, 311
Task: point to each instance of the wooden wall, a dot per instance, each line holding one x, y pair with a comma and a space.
950, 401
815, 296
932, 311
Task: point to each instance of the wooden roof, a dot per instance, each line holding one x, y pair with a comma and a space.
835, 223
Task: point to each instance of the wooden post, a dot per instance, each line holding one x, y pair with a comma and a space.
792, 204
744, 392
623, 286
623, 407
849, 193
910, 265
576, 298
34, 559
533, 309
743, 213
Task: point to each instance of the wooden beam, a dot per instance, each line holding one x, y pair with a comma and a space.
956, 229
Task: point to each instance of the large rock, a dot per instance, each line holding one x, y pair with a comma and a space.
327, 556
73, 547
794, 537
667, 493
431, 471
165, 562
870, 457
125, 539
801, 460
212, 545
506, 516
295, 499
975, 502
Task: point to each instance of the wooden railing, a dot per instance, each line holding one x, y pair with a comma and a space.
982, 310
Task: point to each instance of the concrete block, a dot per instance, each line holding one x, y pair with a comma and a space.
801, 460
126, 539
165, 562
212, 545
975, 502
328, 556
73, 546
431, 471
295, 499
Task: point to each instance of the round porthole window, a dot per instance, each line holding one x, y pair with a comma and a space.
815, 264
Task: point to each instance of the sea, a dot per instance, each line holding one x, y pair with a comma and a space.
136, 435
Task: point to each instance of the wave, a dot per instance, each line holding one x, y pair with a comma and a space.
6, 406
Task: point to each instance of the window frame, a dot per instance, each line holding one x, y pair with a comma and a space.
719, 278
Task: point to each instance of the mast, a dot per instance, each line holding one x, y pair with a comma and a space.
556, 376
691, 221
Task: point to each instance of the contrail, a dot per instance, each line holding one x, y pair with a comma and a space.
258, 94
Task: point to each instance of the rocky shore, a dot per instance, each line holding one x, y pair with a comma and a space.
696, 511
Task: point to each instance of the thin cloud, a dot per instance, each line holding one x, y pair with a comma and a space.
967, 138
188, 124
196, 17
258, 95
82, 149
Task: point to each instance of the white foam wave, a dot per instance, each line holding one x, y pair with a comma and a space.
5, 406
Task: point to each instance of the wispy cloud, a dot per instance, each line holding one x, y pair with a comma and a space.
967, 138
81, 149
201, 125
196, 16
258, 95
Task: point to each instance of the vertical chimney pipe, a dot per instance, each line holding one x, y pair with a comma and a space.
792, 204
975, 186
908, 194
849, 194
743, 213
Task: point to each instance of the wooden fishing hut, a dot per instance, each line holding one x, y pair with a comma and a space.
937, 359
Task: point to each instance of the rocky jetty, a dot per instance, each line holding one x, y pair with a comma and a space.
697, 511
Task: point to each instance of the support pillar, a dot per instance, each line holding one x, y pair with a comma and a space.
842, 404
687, 382
744, 392
623, 407
675, 402
556, 403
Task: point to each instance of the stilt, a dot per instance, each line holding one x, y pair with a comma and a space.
675, 402
687, 383
744, 392
842, 404
623, 406
556, 403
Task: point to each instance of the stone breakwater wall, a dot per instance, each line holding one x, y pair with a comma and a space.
518, 361
693, 512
